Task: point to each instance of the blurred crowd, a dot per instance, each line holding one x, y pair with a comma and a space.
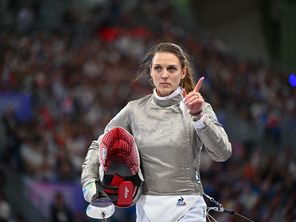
76, 85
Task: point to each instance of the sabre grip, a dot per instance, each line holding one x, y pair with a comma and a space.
100, 193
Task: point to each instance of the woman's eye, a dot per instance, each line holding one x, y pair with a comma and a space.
172, 69
157, 68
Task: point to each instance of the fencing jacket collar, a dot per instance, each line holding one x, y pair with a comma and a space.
169, 100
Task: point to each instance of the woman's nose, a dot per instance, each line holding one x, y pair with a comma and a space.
164, 74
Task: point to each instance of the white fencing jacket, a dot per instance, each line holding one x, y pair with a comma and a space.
169, 144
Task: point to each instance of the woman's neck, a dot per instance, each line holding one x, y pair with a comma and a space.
173, 94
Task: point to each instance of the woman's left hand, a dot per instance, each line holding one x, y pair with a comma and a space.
194, 100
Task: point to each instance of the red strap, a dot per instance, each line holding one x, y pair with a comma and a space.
125, 194
116, 181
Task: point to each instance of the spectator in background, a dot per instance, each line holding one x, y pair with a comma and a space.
272, 129
11, 152
25, 19
5, 210
19, 217
59, 210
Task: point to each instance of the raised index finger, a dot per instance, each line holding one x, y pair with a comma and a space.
198, 84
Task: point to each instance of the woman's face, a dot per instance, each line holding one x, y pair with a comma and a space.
166, 73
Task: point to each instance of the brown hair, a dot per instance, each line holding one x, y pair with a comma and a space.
187, 83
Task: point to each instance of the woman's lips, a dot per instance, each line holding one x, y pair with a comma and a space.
164, 84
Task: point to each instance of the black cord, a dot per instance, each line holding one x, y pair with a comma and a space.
237, 214
221, 209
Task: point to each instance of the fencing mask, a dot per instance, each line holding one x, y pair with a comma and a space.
120, 174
